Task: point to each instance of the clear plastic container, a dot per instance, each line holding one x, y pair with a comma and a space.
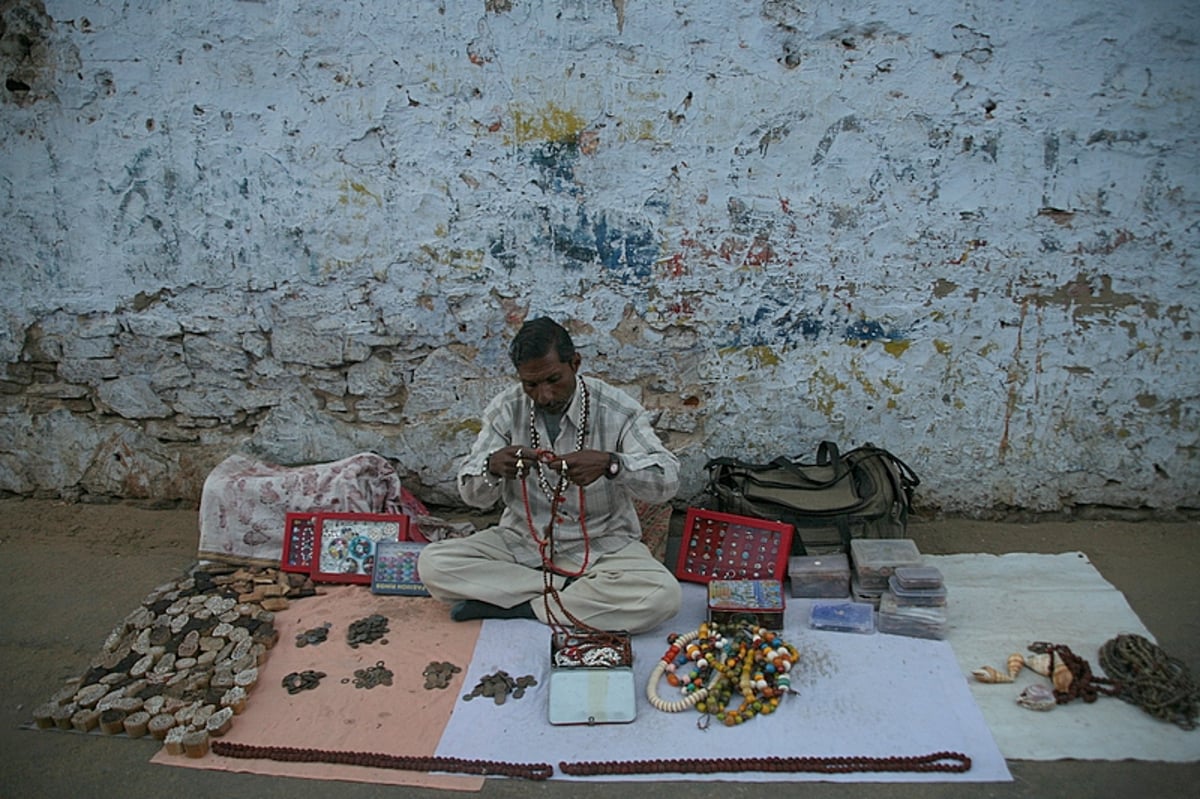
914, 622
918, 577
814, 576
917, 597
867, 595
842, 616
876, 559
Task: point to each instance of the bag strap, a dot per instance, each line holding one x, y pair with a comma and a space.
827, 454
907, 478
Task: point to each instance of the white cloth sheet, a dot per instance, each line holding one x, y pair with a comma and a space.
999, 604
868, 695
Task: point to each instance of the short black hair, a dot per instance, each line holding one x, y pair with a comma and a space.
537, 337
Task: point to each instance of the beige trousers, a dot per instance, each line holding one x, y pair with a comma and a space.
626, 590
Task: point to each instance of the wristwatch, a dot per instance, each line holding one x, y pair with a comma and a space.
614, 466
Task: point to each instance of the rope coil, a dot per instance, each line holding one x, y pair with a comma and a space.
1151, 679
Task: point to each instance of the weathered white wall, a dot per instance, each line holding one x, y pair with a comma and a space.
966, 231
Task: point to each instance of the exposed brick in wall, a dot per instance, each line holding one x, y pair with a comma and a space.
965, 231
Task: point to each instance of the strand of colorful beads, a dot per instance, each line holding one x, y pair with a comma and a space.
712, 664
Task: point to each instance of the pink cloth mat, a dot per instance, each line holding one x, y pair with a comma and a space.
404, 718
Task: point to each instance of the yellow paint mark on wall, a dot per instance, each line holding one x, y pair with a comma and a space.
760, 356
552, 124
896, 348
865, 381
472, 426
637, 131
455, 258
943, 347
354, 193
826, 384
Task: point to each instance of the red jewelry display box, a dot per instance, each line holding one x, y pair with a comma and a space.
725, 546
336, 547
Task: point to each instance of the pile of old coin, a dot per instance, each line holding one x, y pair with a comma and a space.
367, 630
500, 685
438, 675
182, 664
305, 680
314, 636
379, 674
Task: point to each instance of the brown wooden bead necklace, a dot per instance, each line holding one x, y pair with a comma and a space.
944, 762
936, 762
450, 765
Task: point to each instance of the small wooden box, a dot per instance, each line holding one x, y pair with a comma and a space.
755, 602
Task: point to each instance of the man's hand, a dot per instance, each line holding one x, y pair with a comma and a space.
504, 462
582, 468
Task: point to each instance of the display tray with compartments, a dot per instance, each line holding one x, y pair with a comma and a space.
725, 546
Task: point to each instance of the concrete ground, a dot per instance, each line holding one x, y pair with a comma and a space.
69, 572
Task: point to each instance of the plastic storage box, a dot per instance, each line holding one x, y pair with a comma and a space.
875, 559
842, 616
914, 622
917, 597
918, 577
814, 576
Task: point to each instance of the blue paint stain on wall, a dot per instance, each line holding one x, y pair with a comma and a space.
556, 162
776, 323
627, 252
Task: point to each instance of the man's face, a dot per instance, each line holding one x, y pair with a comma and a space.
549, 382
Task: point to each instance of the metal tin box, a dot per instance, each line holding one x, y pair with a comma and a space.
591, 679
757, 602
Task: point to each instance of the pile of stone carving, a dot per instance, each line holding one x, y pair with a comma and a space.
181, 665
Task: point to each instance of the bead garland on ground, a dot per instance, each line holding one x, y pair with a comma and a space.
717, 662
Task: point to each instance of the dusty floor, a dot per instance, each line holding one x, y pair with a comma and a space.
69, 572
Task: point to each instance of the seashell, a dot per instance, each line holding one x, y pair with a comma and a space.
990, 675
1061, 677
1015, 661
1039, 663
1037, 697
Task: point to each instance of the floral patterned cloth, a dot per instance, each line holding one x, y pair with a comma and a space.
244, 501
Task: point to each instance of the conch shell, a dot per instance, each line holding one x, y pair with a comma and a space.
1015, 661
1037, 697
1061, 677
1039, 663
990, 675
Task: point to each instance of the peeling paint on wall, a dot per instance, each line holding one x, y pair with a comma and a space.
966, 236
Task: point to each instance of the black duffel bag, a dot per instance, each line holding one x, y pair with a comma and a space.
863, 493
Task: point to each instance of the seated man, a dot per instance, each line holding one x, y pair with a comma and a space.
567, 456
